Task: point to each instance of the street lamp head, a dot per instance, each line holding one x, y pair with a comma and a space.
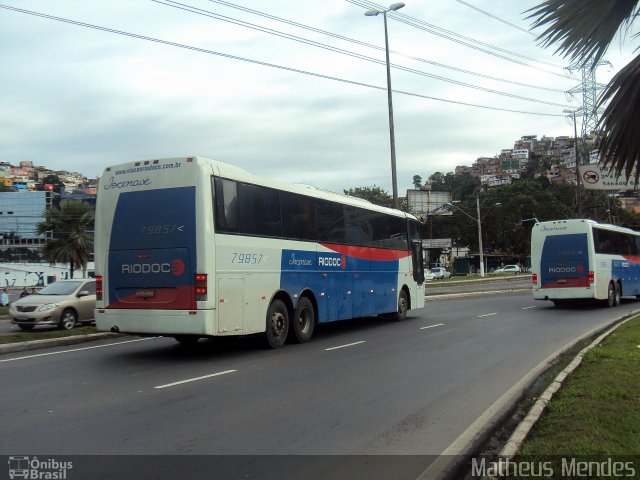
371, 13
396, 6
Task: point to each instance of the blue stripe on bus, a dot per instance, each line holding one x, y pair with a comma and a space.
344, 286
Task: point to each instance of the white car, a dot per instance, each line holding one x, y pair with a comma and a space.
508, 269
440, 273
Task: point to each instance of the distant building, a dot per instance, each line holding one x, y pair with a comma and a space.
20, 213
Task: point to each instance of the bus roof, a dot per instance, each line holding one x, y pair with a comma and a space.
591, 223
233, 172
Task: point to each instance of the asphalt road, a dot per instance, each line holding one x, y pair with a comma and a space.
360, 387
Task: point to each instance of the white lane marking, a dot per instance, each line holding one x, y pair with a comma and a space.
77, 349
528, 308
194, 379
432, 326
344, 346
488, 315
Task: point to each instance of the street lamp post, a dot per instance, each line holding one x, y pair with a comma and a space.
575, 154
481, 250
479, 220
394, 178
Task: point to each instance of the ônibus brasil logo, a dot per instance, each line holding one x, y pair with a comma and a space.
175, 267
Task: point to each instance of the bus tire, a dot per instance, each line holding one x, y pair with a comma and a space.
612, 292
187, 339
618, 296
403, 307
304, 319
277, 324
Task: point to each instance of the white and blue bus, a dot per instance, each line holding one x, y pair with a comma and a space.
582, 259
191, 247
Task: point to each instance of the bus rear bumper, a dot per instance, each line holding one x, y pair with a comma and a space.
155, 322
563, 293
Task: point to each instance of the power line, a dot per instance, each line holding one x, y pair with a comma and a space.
207, 13
461, 39
506, 22
375, 47
258, 62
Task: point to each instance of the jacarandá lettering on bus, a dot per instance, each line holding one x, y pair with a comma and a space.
112, 184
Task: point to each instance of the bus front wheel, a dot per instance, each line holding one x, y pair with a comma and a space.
277, 324
304, 319
403, 307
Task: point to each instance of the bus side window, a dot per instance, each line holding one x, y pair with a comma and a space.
298, 216
226, 197
330, 222
259, 211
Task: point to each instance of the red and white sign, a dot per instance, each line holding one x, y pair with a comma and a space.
597, 177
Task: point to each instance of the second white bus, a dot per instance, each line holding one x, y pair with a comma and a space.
582, 259
191, 247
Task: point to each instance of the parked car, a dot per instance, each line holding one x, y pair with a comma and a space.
440, 273
429, 275
508, 269
64, 303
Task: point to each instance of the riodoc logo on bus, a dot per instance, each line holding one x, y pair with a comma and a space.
175, 267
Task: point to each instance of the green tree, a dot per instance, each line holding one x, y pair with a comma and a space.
374, 194
71, 227
583, 30
417, 182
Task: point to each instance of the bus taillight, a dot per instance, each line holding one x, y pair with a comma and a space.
99, 287
201, 286
591, 277
534, 278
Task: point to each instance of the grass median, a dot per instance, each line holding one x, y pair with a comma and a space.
597, 410
40, 334
44, 334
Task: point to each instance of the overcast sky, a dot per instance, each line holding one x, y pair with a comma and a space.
79, 99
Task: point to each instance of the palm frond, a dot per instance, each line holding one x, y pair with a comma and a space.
582, 29
620, 146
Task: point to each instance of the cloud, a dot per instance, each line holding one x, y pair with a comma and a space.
80, 99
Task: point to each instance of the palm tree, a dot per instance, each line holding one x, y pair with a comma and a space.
582, 30
71, 227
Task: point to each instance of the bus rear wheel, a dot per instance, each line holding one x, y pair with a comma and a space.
304, 319
277, 324
613, 295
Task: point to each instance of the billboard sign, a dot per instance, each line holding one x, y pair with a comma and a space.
426, 202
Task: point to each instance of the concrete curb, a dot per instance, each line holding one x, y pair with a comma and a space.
54, 342
521, 432
444, 296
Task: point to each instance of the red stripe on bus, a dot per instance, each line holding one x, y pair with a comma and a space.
567, 283
367, 253
172, 298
